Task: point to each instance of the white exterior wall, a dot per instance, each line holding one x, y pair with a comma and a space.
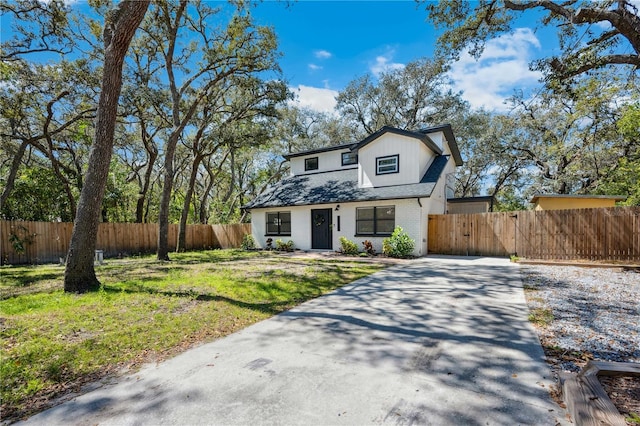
439, 139
414, 157
300, 226
409, 215
327, 161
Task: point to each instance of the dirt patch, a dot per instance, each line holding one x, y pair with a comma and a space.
624, 392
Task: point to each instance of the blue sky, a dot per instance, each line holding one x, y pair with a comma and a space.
326, 44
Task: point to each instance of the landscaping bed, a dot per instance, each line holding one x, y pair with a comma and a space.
588, 313
146, 311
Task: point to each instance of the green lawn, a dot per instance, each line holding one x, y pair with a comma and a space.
147, 310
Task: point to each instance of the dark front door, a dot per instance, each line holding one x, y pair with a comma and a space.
321, 229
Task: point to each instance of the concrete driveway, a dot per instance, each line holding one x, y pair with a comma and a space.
435, 341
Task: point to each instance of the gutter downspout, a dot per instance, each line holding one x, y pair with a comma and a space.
420, 226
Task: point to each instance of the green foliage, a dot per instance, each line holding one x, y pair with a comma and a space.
37, 196
20, 238
584, 47
348, 247
633, 418
508, 200
624, 179
369, 103
284, 246
399, 244
146, 310
248, 242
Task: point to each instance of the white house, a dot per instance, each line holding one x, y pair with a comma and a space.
361, 191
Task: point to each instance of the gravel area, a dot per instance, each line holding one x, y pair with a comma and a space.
588, 313
596, 312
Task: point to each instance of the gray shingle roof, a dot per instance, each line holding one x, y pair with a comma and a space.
341, 186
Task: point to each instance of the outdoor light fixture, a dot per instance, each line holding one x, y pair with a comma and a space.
338, 207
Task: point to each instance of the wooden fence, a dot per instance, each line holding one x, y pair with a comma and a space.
602, 234
46, 242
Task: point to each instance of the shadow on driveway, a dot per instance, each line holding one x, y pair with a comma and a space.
433, 341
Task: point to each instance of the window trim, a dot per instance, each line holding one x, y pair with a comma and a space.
375, 222
388, 157
306, 165
279, 233
349, 153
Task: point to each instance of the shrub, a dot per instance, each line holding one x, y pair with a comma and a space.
399, 244
348, 246
248, 242
282, 246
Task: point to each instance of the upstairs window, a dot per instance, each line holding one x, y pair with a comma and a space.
387, 165
349, 158
375, 220
311, 164
279, 223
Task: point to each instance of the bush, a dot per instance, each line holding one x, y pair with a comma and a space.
282, 246
248, 242
399, 244
348, 246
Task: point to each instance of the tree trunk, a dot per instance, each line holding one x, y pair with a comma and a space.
15, 165
142, 196
119, 28
182, 228
163, 214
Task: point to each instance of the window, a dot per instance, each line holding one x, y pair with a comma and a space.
279, 223
375, 220
311, 163
349, 158
386, 165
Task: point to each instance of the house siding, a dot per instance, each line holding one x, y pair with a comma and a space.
327, 161
409, 215
414, 158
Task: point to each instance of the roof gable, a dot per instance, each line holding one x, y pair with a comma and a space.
424, 138
451, 140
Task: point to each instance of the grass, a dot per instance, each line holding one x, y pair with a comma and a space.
146, 310
541, 316
633, 418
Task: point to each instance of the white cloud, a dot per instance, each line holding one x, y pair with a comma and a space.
383, 64
502, 68
316, 98
322, 54
314, 67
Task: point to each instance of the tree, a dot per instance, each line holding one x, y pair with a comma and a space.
119, 27
623, 177
38, 26
415, 96
226, 122
46, 108
239, 50
592, 34
572, 141
143, 96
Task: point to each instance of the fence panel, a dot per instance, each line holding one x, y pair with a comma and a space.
46, 242
602, 234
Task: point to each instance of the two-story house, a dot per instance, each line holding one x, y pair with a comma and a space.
361, 191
